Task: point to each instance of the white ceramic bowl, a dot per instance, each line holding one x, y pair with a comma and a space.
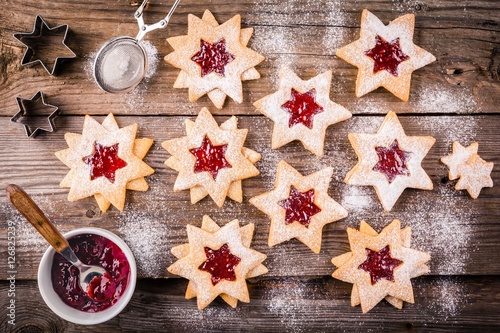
73, 315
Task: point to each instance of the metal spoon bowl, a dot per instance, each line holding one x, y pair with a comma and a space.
28, 208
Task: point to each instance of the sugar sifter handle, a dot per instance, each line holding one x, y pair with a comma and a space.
28, 208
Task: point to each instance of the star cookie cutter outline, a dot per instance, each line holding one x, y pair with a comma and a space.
27, 112
39, 29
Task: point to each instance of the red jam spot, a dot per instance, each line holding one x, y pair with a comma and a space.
302, 108
101, 288
220, 264
380, 265
91, 250
104, 161
213, 57
392, 161
210, 158
387, 55
299, 207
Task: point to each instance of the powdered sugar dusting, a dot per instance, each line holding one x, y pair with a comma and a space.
442, 99
146, 230
445, 230
288, 302
335, 34
451, 297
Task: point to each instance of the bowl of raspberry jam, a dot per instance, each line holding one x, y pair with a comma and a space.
107, 296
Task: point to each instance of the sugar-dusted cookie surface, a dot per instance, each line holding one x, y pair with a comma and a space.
105, 161
473, 172
212, 158
299, 206
214, 59
390, 161
385, 55
380, 265
302, 110
217, 261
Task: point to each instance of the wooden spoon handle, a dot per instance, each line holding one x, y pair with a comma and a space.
25, 205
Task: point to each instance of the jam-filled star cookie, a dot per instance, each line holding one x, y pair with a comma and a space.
380, 265
390, 161
210, 157
473, 171
105, 161
385, 55
299, 206
302, 110
214, 58
217, 261
217, 96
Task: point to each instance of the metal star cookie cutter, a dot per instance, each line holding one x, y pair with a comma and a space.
33, 113
46, 42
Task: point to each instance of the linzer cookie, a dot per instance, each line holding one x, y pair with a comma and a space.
385, 55
473, 171
299, 206
380, 265
302, 110
217, 261
211, 159
390, 161
214, 58
105, 161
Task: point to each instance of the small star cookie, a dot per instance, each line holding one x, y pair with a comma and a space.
214, 58
302, 110
299, 206
385, 55
380, 265
473, 171
212, 158
390, 161
217, 261
217, 96
105, 161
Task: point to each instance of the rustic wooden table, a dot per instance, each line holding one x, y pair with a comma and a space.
454, 98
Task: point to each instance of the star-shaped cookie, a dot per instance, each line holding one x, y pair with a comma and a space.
473, 171
385, 55
390, 161
214, 169
214, 58
217, 96
302, 110
217, 261
380, 265
299, 206
105, 161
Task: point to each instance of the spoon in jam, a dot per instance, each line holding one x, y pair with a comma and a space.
94, 280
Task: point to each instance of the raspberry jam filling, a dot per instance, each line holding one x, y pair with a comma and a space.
392, 161
104, 161
299, 207
213, 57
103, 292
302, 108
380, 264
210, 158
220, 264
387, 55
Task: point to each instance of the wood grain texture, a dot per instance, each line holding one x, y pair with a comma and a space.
302, 305
463, 39
434, 215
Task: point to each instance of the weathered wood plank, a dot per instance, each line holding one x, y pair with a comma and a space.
463, 38
461, 234
280, 305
